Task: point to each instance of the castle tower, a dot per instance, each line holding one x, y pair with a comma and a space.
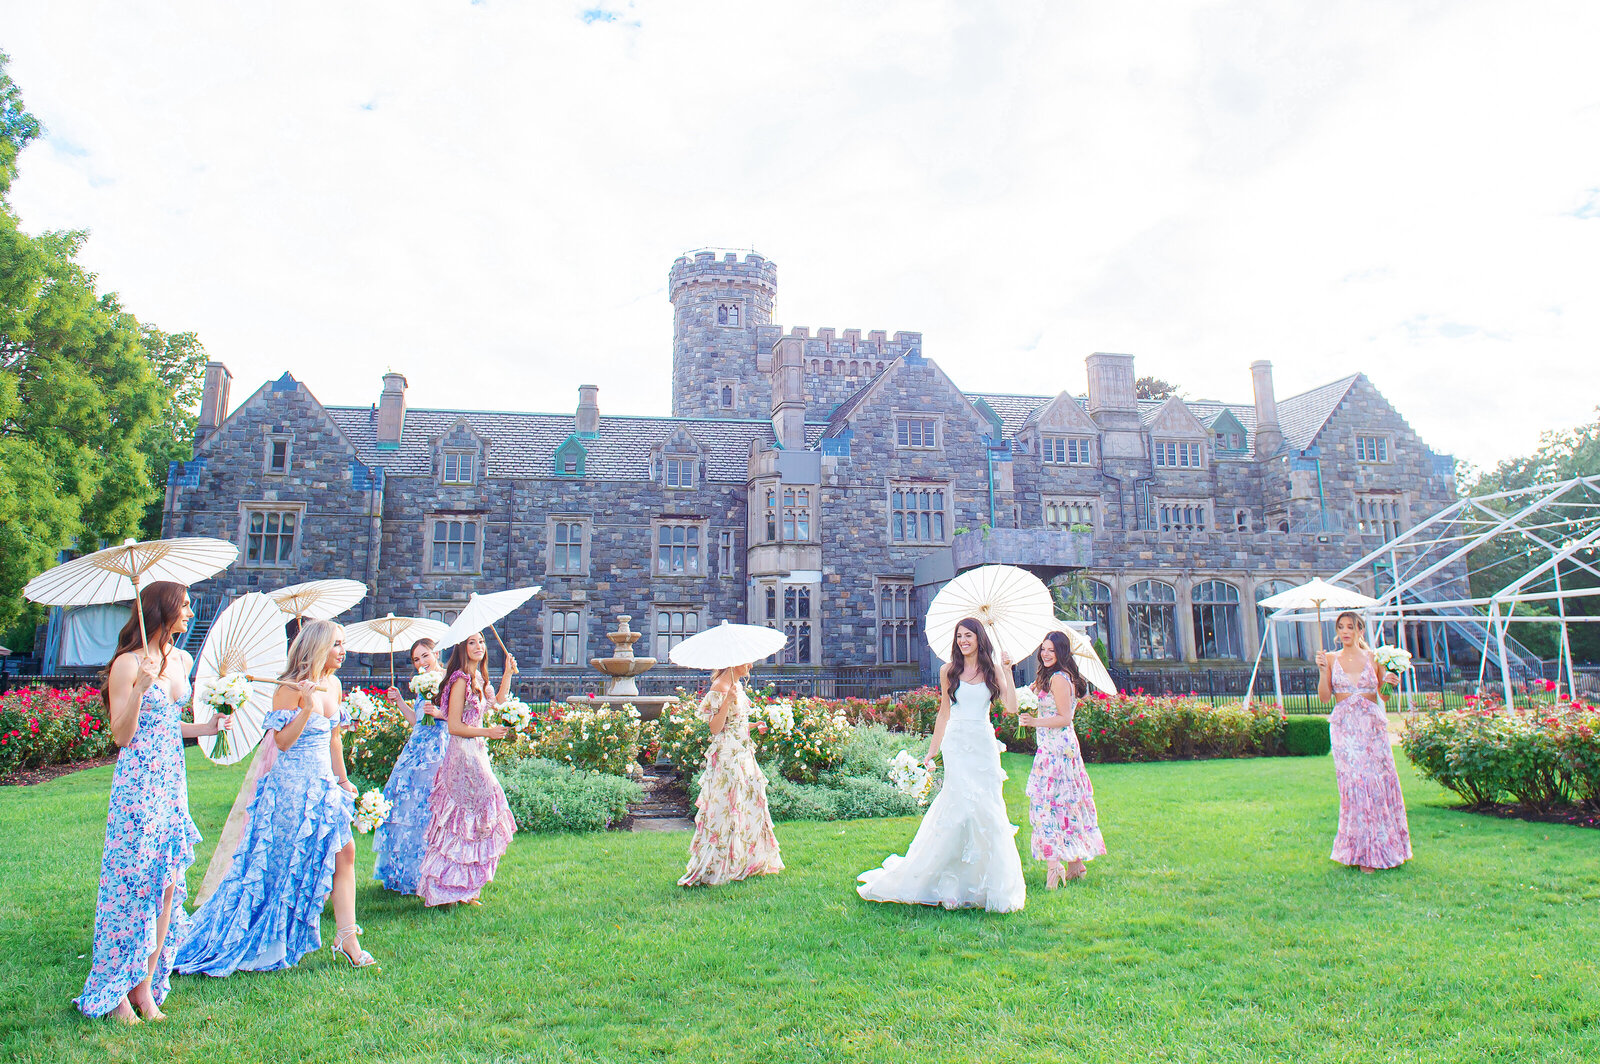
722, 334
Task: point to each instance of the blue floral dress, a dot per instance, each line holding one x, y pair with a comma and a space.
399, 840
149, 844
267, 912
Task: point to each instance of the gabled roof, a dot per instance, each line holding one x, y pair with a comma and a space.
1015, 410
524, 445
1302, 416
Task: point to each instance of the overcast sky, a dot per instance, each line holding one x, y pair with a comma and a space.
487, 196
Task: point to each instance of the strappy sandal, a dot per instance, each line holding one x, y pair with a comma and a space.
365, 960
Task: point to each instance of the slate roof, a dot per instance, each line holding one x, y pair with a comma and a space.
1015, 410
524, 445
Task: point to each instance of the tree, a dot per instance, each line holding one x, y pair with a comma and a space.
92, 403
1156, 388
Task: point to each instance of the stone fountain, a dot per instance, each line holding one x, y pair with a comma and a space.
621, 668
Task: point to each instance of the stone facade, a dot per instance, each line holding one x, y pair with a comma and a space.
825, 484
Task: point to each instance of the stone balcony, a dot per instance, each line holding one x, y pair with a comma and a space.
1045, 551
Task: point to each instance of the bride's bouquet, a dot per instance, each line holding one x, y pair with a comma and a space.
1027, 700
360, 706
226, 695
1391, 659
426, 685
372, 809
911, 777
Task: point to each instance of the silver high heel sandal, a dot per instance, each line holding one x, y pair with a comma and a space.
365, 960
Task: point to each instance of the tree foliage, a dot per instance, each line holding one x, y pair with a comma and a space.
1156, 388
1561, 455
92, 402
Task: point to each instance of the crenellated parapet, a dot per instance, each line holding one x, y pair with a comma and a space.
721, 268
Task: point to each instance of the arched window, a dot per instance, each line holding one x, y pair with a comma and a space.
1241, 520
880, 367
855, 369
722, 315
816, 366
1153, 620
827, 367
727, 397
1216, 620
1094, 606
1293, 641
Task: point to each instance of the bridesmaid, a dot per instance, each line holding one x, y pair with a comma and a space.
138, 916
733, 835
398, 842
1061, 809
1372, 813
470, 825
297, 849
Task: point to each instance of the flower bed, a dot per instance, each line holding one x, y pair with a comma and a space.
52, 726
1542, 759
795, 739
380, 733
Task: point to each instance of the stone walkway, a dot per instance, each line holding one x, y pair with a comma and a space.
665, 805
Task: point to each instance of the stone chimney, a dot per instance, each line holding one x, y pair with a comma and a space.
1269, 435
391, 410
213, 400
587, 420
1111, 384
788, 394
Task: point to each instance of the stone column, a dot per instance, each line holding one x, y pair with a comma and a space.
1119, 619
1185, 617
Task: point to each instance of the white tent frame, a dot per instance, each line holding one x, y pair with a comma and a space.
1536, 515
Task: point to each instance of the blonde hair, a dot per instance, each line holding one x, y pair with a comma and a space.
1361, 629
308, 654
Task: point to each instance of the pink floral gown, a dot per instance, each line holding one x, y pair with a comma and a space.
1060, 797
733, 835
1372, 812
470, 825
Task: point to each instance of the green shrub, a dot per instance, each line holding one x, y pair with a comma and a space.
1542, 758
1306, 736
52, 726
547, 796
372, 748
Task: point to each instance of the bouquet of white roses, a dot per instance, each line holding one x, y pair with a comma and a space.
226, 695
372, 810
911, 777
359, 705
426, 684
1391, 659
1027, 700
515, 714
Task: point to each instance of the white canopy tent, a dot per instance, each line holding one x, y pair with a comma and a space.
1424, 574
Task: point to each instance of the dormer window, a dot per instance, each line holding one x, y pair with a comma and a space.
679, 471
458, 468
569, 465
728, 314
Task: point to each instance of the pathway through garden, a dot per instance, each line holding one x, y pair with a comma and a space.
665, 805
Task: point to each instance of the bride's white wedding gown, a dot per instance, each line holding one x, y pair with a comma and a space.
965, 853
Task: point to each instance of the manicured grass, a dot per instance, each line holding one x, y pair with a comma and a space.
1216, 930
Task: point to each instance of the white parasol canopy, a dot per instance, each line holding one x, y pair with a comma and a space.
1089, 663
391, 633
248, 637
1013, 604
482, 611
116, 573
727, 645
1319, 595
319, 600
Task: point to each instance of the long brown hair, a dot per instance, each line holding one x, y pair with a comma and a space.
1066, 663
161, 601
458, 663
985, 658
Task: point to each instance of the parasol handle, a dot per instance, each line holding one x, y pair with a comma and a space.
138, 607
502, 642
265, 679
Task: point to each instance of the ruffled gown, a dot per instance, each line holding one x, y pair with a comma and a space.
149, 843
267, 912
1372, 812
400, 841
965, 854
733, 836
470, 825
1061, 809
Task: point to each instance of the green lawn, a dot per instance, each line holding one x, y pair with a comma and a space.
1216, 930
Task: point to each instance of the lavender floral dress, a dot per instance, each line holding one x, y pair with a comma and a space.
1060, 797
470, 826
149, 844
1372, 812
400, 841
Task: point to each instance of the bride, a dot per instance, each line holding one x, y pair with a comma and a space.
964, 855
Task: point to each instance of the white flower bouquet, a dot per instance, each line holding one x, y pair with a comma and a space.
1391, 659
372, 809
226, 695
911, 777
516, 714
360, 706
1027, 700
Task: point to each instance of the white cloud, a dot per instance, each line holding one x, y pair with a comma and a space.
488, 196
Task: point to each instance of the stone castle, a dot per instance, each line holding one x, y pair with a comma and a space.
823, 483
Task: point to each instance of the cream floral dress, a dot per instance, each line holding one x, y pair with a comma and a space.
732, 829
